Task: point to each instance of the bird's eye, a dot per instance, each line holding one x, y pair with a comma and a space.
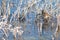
3, 19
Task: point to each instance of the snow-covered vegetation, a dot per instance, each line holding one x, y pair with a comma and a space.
19, 17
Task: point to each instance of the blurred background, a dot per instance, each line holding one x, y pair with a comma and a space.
29, 19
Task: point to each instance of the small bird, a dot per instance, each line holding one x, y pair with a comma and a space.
46, 18
45, 14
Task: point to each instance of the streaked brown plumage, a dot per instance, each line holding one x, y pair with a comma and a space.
46, 18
